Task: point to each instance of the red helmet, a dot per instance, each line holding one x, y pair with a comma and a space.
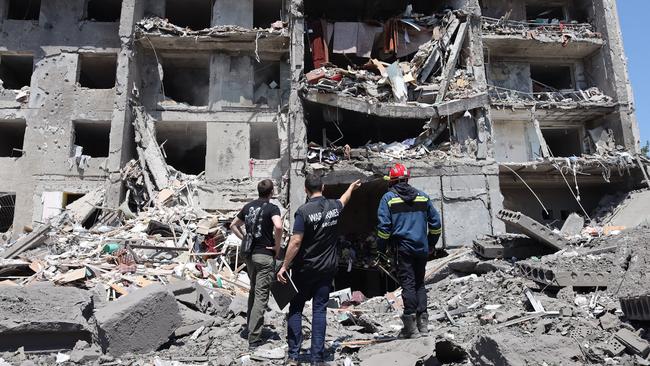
399, 172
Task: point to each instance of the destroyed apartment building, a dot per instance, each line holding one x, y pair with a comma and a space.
132, 132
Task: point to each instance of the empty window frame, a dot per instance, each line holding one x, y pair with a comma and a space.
545, 14
16, 71
267, 83
103, 10
265, 12
93, 136
187, 80
7, 210
193, 14
97, 71
563, 142
551, 77
24, 9
264, 141
184, 145
12, 137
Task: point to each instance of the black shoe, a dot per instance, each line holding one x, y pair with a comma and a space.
254, 345
409, 330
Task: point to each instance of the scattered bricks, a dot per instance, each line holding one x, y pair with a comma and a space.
533, 229
553, 278
44, 317
613, 347
488, 248
140, 322
636, 307
573, 225
633, 342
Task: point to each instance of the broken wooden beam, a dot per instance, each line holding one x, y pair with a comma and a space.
31, 240
450, 66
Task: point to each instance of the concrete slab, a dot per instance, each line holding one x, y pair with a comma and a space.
44, 317
573, 225
140, 322
633, 212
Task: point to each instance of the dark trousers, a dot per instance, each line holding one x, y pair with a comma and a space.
410, 272
318, 289
260, 269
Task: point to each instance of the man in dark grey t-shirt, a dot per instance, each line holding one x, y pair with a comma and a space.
262, 219
312, 255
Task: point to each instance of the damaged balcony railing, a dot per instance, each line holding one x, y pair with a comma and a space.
553, 28
505, 95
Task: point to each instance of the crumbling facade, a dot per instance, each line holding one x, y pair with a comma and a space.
489, 102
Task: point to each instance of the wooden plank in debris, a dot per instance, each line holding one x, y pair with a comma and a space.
32, 240
450, 66
438, 48
536, 304
71, 276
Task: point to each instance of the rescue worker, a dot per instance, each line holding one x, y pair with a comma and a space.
312, 255
409, 222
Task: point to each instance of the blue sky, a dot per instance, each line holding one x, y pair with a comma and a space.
634, 22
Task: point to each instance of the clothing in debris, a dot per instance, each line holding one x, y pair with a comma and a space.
262, 229
318, 45
408, 219
355, 38
317, 221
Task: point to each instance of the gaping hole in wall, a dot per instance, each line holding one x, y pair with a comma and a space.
97, 71
357, 245
103, 10
544, 14
193, 14
563, 142
265, 12
267, 83
353, 10
184, 145
12, 136
264, 141
93, 137
551, 77
555, 195
24, 9
7, 210
16, 71
342, 127
187, 80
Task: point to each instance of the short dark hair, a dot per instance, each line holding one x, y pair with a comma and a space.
313, 183
265, 188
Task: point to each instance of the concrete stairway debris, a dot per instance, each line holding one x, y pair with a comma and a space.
533, 229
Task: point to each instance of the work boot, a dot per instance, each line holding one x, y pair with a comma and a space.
423, 323
409, 330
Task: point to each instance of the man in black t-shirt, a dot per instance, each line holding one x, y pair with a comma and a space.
312, 254
262, 219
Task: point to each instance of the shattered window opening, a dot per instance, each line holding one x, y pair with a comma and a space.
187, 80
265, 12
546, 14
7, 211
16, 71
103, 10
184, 144
24, 9
193, 14
267, 88
551, 78
93, 137
563, 142
12, 137
264, 141
97, 71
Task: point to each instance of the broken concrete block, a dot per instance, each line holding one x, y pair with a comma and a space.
573, 225
533, 229
140, 322
391, 358
44, 317
636, 307
239, 305
633, 342
511, 349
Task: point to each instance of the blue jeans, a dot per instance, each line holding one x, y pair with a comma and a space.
318, 289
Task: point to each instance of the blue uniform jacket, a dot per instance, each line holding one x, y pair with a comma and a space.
407, 217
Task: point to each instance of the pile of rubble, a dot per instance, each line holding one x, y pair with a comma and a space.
549, 99
545, 30
430, 77
163, 26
